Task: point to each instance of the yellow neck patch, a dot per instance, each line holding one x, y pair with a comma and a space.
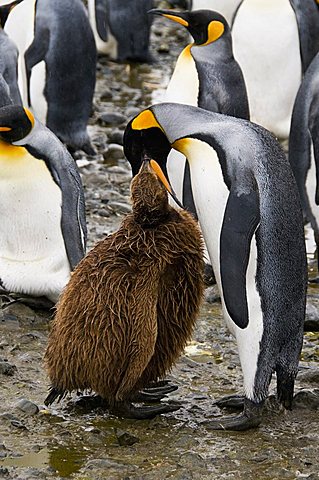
182, 145
214, 31
11, 151
177, 19
145, 120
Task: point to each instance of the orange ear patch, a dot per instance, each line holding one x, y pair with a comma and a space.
214, 31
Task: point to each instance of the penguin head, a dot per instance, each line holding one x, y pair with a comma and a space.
6, 9
16, 123
205, 26
144, 138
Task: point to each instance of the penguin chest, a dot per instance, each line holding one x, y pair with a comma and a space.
210, 195
33, 258
184, 83
266, 45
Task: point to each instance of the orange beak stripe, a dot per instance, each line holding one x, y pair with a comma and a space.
5, 129
159, 172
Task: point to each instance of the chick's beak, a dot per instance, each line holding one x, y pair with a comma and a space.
157, 169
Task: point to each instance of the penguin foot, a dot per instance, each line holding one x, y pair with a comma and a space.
153, 394
128, 410
250, 418
236, 402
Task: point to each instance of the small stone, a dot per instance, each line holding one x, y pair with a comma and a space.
4, 472
28, 407
118, 207
106, 95
113, 153
7, 368
311, 376
191, 460
125, 439
312, 315
306, 399
116, 137
111, 118
212, 294
163, 48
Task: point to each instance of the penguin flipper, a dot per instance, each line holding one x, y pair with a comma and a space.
100, 18
36, 53
307, 17
241, 220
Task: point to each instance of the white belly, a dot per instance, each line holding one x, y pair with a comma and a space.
210, 196
225, 7
266, 45
33, 258
20, 28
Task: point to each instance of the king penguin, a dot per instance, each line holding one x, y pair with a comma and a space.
57, 65
250, 215
274, 42
122, 28
206, 75
304, 146
226, 7
43, 229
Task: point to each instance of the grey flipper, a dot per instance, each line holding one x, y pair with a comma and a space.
5, 98
101, 18
241, 219
43, 144
9, 68
307, 17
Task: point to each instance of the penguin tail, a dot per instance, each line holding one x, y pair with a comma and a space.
285, 387
54, 394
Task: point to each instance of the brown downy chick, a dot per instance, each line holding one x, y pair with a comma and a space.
131, 304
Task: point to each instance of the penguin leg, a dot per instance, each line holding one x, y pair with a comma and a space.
250, 418
236, 402
128, 410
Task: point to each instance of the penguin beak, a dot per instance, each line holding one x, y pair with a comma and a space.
178, 17
5, 129
158, 171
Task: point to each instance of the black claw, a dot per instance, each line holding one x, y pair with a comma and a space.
231, 401
250, 418
160, 390
128, 410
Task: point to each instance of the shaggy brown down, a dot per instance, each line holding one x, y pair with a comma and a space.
130, 306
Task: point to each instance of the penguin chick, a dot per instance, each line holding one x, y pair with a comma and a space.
130, 306
43, 230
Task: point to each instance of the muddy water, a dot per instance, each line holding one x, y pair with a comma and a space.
74, 440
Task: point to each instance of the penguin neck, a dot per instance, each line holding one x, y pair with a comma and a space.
10, 151
222, 47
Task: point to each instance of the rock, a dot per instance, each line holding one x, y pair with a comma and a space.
28, 407
104, 463
191, 460
212, 294
4, 472
306, 399
106, 95
111, 118
113, 153
312, 314
116, 137
163, 48
118, 207
311, 375
7, 368
125, 439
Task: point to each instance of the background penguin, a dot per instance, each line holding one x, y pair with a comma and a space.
122, 28
274, 42
226, 7
304, 145
8, 66
130, 305
206, 75
249, 212
57, 64
43, 230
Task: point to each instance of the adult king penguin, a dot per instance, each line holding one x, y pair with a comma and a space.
57, 64
274, 42
249, 211
304, 146
43, 230
206, 75
122, 28
226, 7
